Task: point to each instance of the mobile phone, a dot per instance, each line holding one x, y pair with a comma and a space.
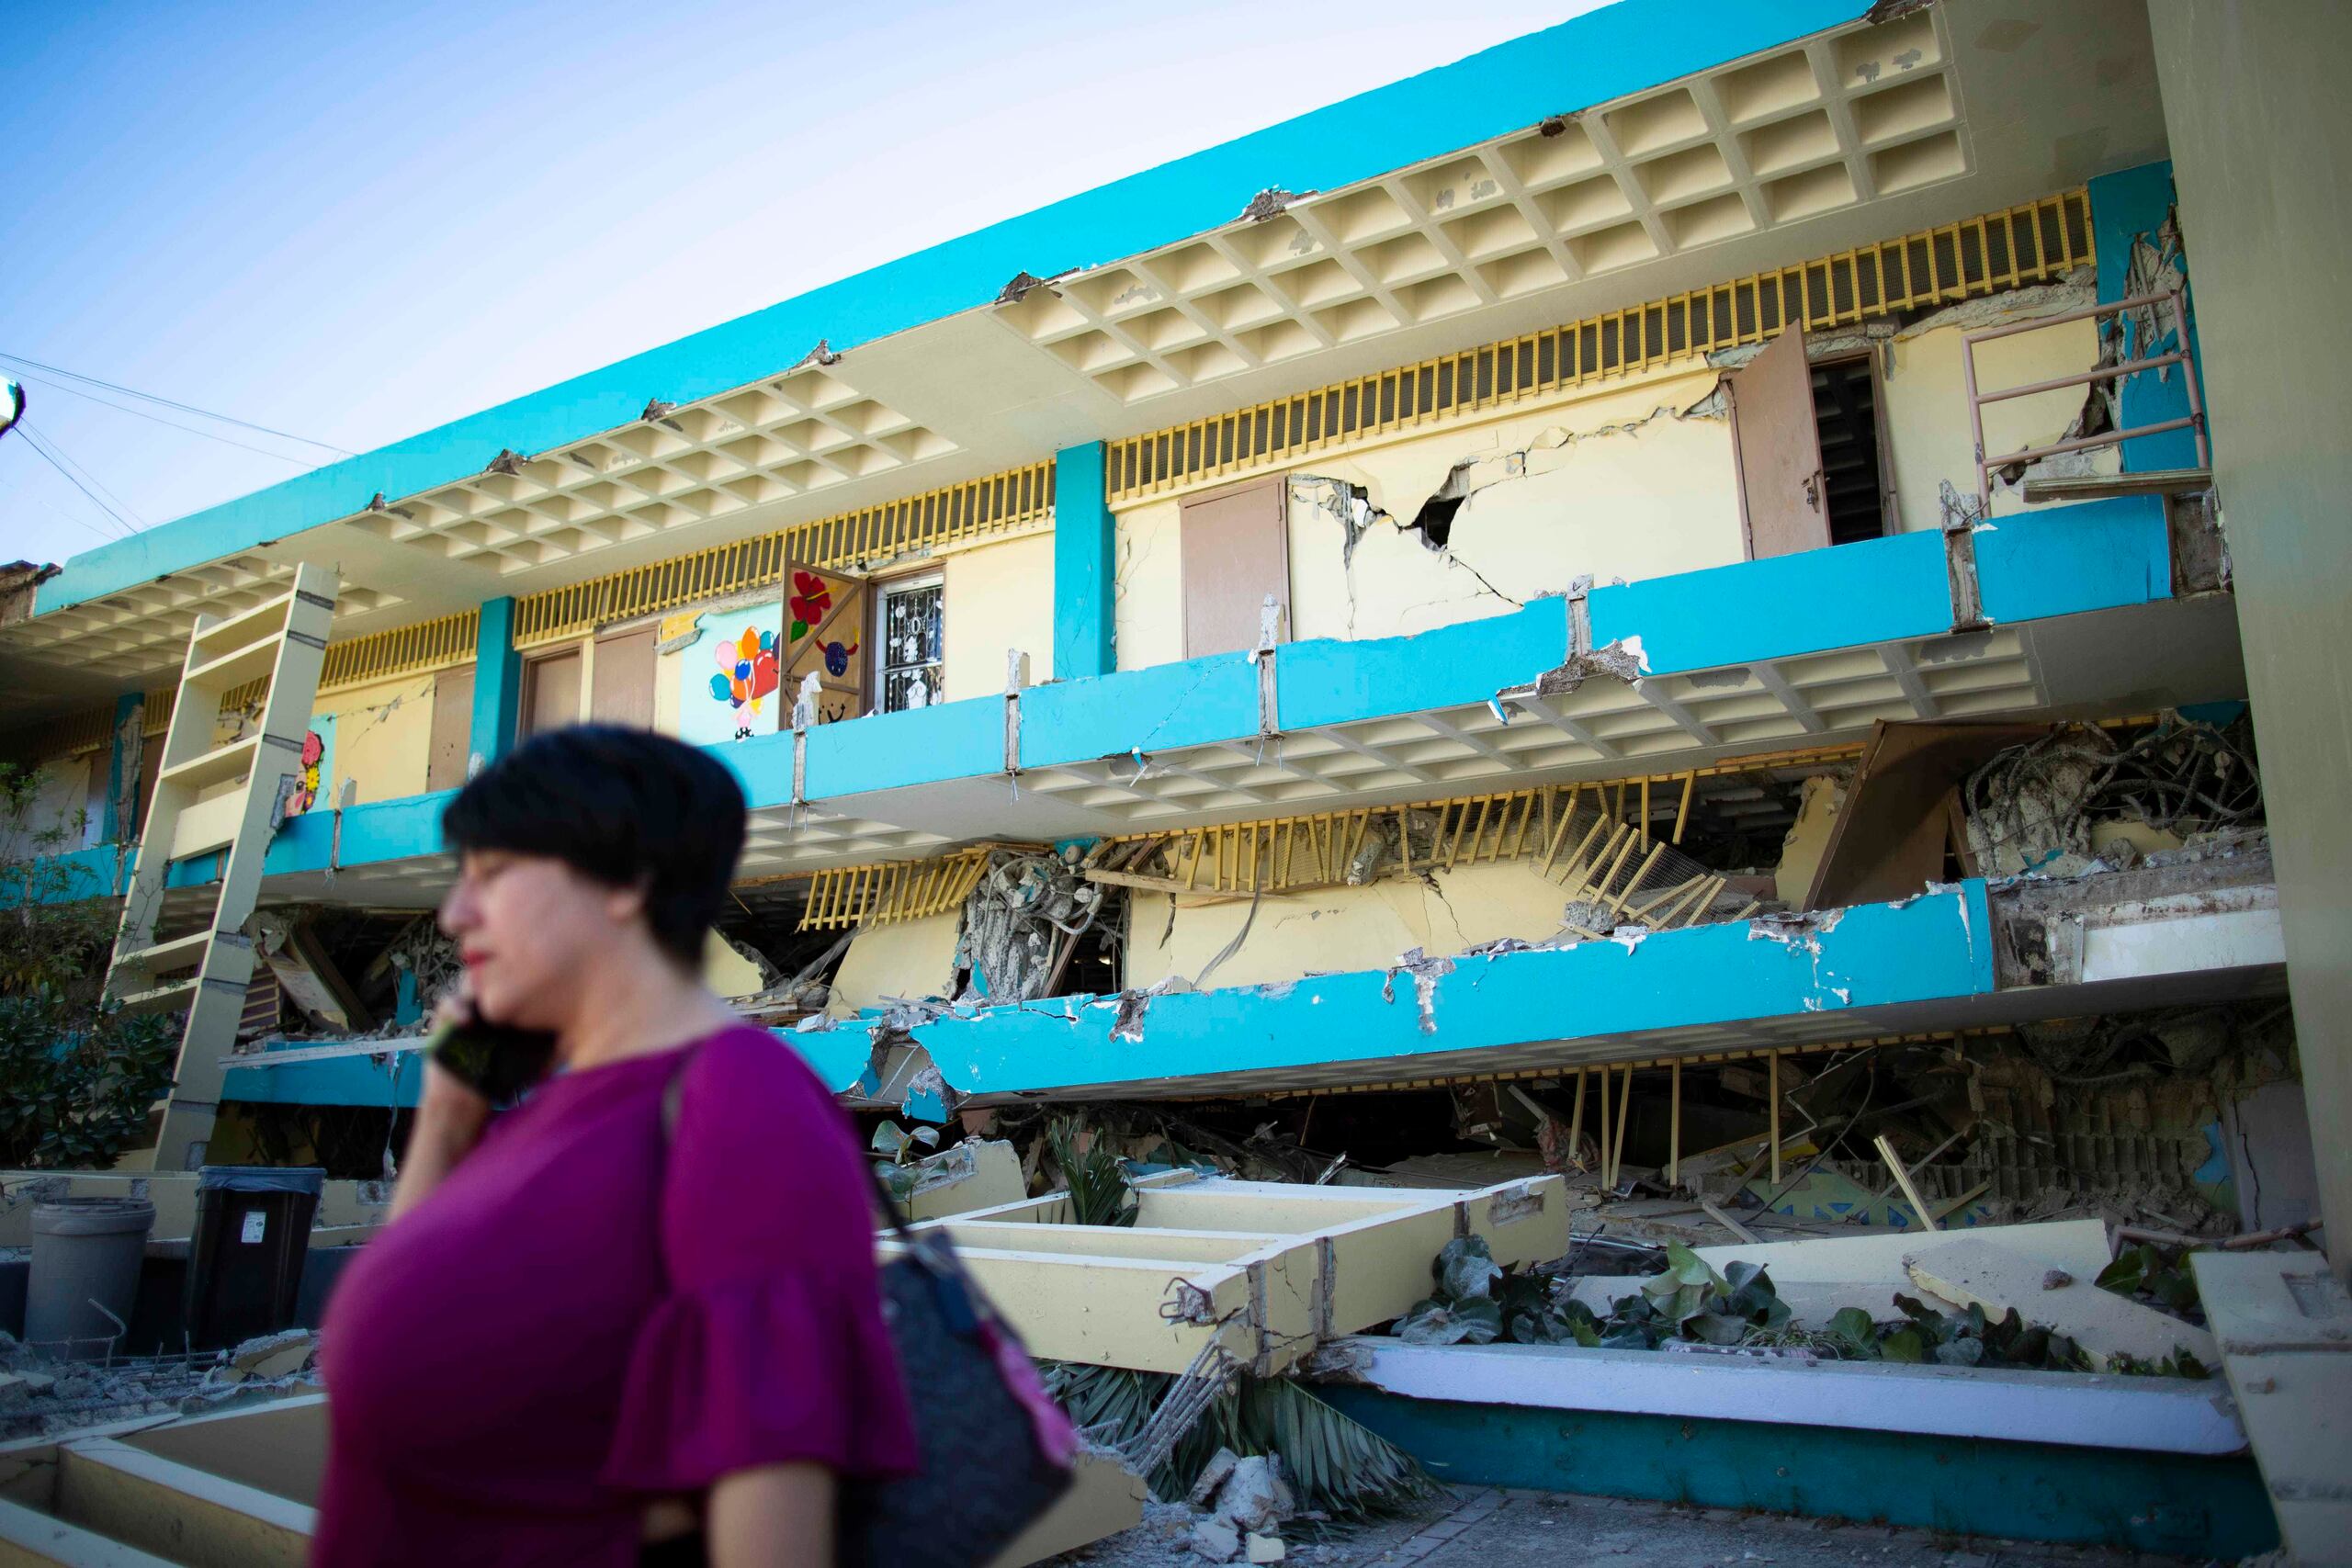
495, 1060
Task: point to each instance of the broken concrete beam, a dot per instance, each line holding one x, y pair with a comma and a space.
1263, 1271
1104, 1499
183, 1514
975, 1174
2285, 1327
2106, 1325
2078, 1246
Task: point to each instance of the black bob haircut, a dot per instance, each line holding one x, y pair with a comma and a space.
626, 808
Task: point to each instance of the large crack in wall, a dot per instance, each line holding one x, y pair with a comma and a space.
1455, 519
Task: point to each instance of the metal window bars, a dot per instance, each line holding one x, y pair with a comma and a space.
2119, 371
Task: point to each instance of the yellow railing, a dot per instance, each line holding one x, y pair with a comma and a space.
428, 645
892, 891
2036, 242
1597, 830
970, 510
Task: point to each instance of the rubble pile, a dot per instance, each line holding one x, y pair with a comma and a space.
42, 1397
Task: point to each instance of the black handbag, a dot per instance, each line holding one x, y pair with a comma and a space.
995, 1450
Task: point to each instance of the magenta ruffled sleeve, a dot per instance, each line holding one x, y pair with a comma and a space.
769, 1348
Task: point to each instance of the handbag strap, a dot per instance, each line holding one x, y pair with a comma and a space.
674, 1094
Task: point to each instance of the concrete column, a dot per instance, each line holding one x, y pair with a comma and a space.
1083, 538
119, 821
2262, 155
498, 683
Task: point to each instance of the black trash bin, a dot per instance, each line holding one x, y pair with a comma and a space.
244, 1262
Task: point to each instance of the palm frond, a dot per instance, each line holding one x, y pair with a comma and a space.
1332, 1462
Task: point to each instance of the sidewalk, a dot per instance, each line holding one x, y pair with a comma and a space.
1483, 1527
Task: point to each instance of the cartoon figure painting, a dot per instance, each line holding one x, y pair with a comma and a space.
311, 783
730, 692
828, 624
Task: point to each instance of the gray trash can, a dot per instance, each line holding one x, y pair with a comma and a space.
84, 1280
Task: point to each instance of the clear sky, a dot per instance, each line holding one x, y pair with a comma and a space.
353, 222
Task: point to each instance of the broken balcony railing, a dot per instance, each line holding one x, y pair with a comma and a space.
2194, 419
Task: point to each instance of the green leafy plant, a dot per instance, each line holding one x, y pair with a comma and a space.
77, 1077
1331, 1461
2154, 1275
1475, 1303
1968, 1338
76, 1083
1091, 1174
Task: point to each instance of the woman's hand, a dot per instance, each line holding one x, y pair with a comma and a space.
450, 1117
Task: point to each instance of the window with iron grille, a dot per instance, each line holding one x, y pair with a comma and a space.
910, 657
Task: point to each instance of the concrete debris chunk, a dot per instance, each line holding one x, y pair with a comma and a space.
2105, 1324
1255, 1496
1216, 1540
271, 1357
1266, 1548
1220, 1465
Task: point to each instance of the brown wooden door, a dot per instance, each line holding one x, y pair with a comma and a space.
622, 681
552, 692
1236, 552
453, 729
1777, 445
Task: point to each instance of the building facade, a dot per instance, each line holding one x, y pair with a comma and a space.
1684, 546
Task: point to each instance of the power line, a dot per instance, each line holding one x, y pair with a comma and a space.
184, 408
123, 507
159, 419
58, 460
82, 522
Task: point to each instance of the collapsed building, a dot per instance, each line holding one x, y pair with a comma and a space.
1666, 631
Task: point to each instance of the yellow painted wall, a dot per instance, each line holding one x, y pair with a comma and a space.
383, 737
1616, 486
1339, 929
1147, 588
1926, 402
1000, 596
665, 690
913, 958
1616, 483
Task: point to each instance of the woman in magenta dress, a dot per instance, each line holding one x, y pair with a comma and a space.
634, 1319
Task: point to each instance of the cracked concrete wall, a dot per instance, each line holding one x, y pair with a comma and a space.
1926, 402
1339, 929
1148, 585
383, 737
1630, 480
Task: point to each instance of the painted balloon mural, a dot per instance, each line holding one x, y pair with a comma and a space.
749, 671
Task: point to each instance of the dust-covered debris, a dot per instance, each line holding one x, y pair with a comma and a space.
42, 1397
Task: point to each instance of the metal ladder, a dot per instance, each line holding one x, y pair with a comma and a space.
212, 798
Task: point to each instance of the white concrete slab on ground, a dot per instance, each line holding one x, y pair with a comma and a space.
2149, 1414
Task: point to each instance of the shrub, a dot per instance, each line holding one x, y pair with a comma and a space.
77, 1077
